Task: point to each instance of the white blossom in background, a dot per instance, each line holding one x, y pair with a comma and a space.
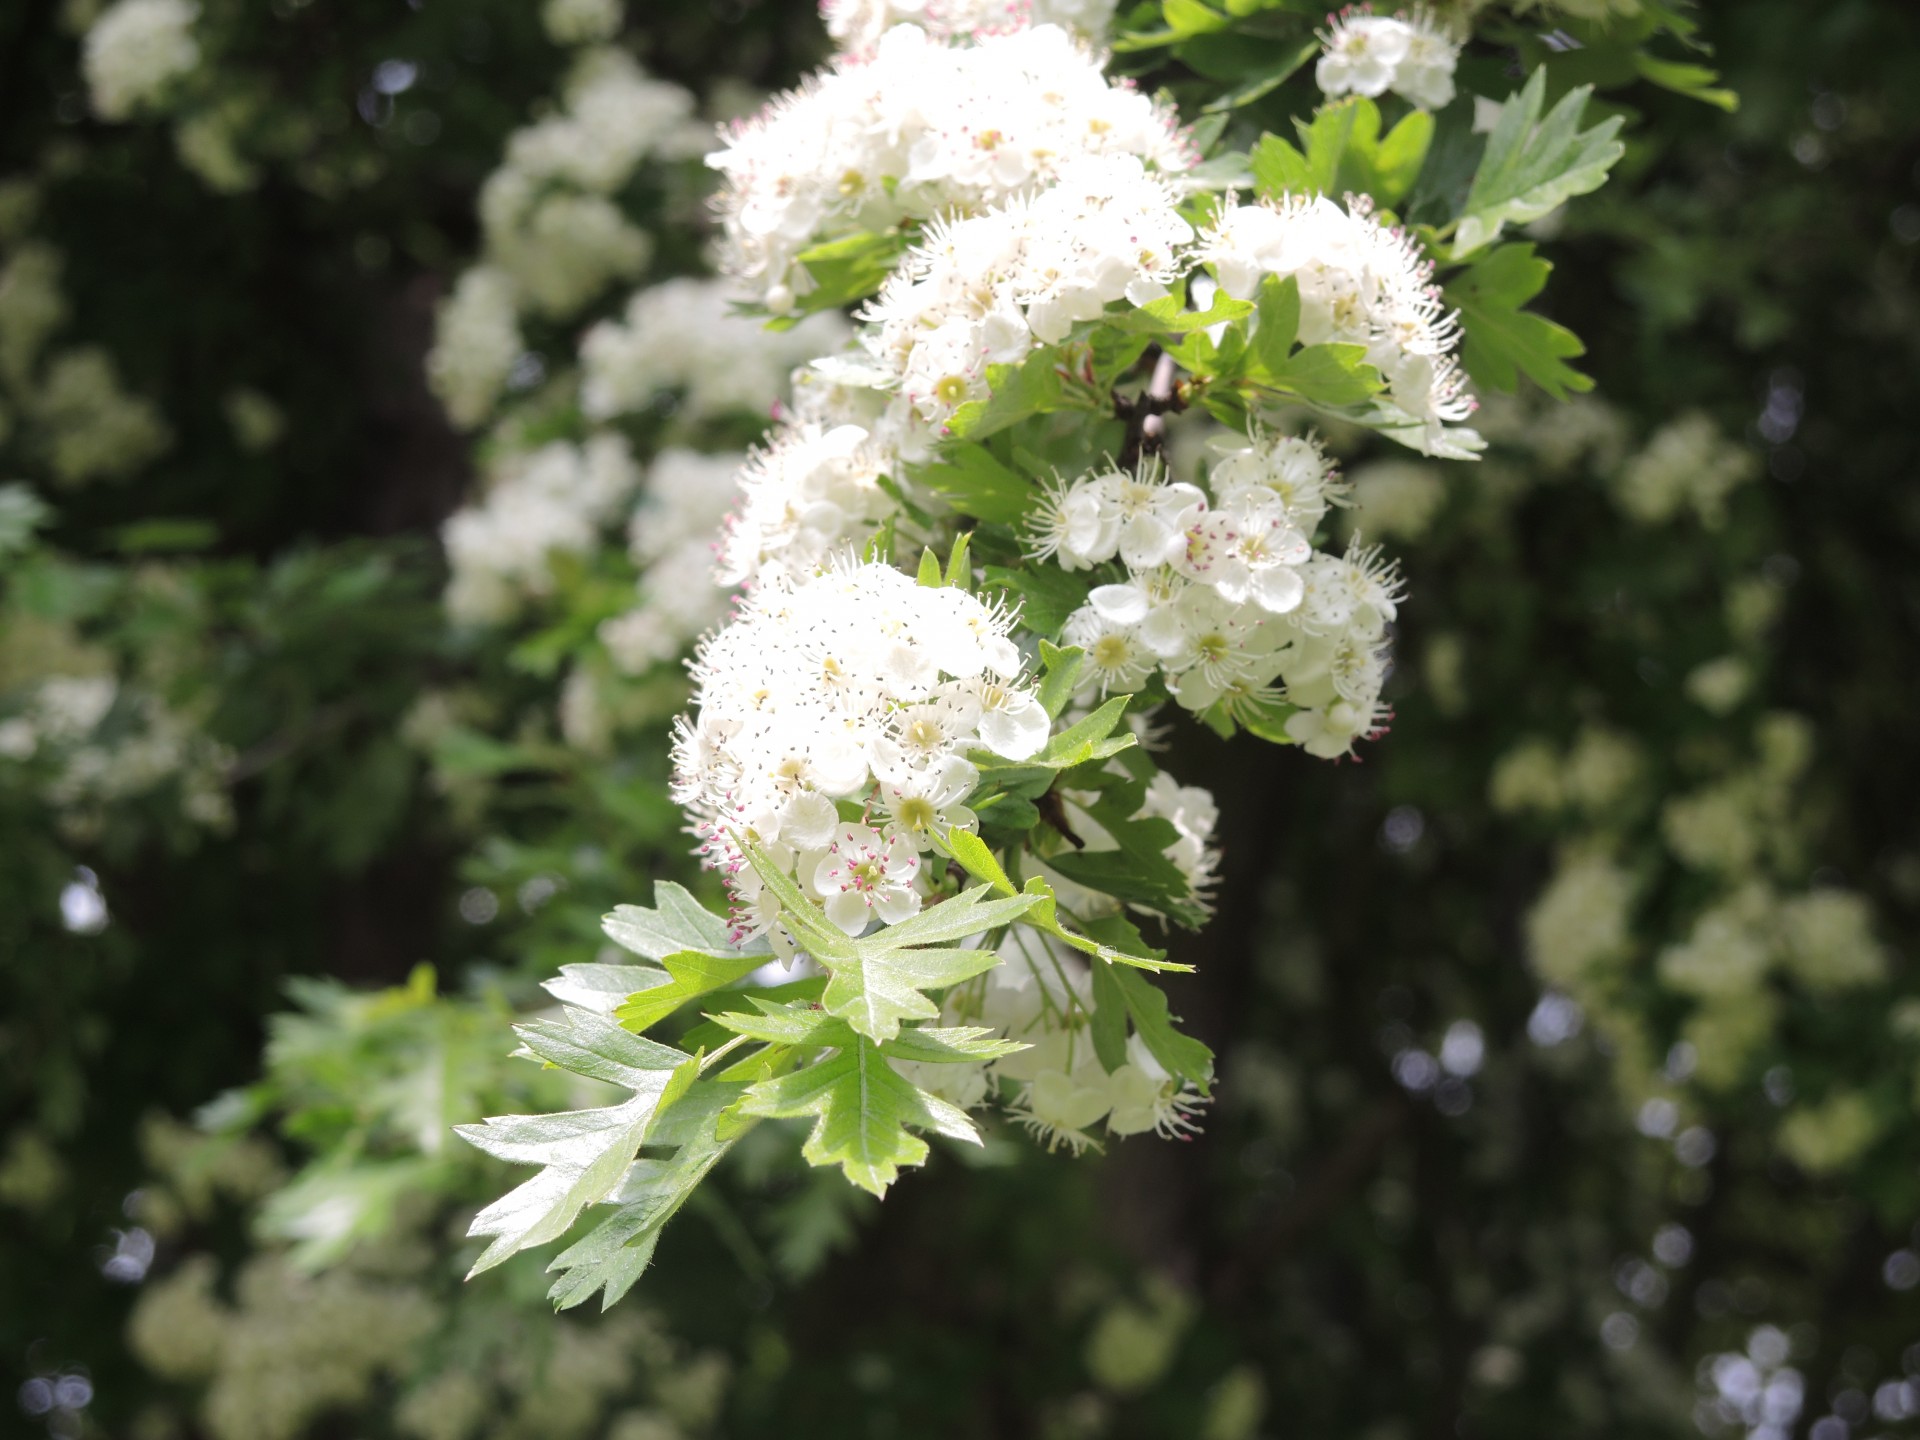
857, 25
581, 22
1687, 464
857, 685
567, 248
90, 766
555, 499
683, 337
1412, 54
32, 308
548, 214
1361, 283
135, 51
920, 129
986, 289
810, 491
90, 426
671, 540
476, 340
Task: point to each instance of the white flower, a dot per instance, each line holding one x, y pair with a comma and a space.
1360, 283
555, 499
476, 340
857, 25
581, 22
135, 51
918, 129
863, 876
1143, 1097
1362, 52
811, 490
985, 289
1367, 54
856, 685
671, 539
926, 802
684, 337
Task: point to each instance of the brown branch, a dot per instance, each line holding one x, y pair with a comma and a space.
1146, 413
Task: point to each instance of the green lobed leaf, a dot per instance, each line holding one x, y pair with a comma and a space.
581, 1153
1534, 165
612, 1256
1060, 667
1045, 917
1182, 1055
1030, 388
848, 269
861, 1108
972, 482
1048, 595
690, 974
877, 981
1503, 341
807, 1026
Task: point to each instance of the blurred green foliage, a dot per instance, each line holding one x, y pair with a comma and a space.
1488, 1161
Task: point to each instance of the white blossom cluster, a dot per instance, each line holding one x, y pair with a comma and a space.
1225, 596
1361, 283
102, 743
810, 490
581, 22
1041, 994
857, 25
555, 499
90, 426
477, 339
858, 686
135, 51
671, 540
1412, 54
984, 290
919, 129
682, 337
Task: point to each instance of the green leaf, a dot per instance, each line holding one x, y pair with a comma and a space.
971, 852
612, 1256
1260, 85
601, 987
1694, 81
1030, 388
1060, 667
1504, 342
1045, 917
1088, 739
959, 572
849, 269
1190, 17
1331, 375
1396, 163
806, 1026
1048, 595
972, 482
1277, 324
1169, 316
1532, 166
861, 1108
929, 575
877, 981
1109, 1028
1181, 1055
582, 1154
689, 975
1279, 169
679, 922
